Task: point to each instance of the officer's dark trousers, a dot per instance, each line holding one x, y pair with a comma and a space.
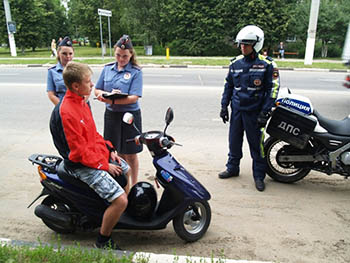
246, 121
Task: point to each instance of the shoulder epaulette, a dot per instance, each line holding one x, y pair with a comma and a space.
236, 58
51, 67
136, 67
109, 64
268, 60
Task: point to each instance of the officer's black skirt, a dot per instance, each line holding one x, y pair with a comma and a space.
117, 132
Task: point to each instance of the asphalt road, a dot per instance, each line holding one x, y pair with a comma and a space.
195, 96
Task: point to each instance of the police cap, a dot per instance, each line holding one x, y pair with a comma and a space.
124, 42
66, 42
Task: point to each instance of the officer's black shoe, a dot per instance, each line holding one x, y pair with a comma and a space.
259, 185
227, 174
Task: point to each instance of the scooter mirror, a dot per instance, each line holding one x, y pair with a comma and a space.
169, 116
128, 118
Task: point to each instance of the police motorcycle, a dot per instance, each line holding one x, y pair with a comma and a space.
301, 140
71, 205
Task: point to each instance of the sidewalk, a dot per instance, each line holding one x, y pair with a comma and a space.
186, 65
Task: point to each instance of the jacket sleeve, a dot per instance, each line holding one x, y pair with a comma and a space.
228, 89
81, 150
272, 86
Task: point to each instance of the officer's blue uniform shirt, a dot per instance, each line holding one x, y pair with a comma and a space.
127, 80
55, 81
252, 83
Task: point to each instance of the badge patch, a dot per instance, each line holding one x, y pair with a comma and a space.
127, 75
275, 73
257, 82
258, 66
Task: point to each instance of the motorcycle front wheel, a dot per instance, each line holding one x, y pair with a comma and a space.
284, 172
59, 206
192, 223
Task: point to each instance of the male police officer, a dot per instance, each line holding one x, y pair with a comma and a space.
251, 88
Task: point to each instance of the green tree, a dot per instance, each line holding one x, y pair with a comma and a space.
141, 18
3, 27
194, 27
273, 17
37, 22
56, 22
332, 24
28, 16
84, 18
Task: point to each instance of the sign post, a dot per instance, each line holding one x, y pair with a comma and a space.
108, 13
11, 28
311, 33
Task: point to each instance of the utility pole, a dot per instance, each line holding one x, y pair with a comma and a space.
311, 33
11, 28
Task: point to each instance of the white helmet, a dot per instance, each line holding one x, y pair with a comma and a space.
251, 35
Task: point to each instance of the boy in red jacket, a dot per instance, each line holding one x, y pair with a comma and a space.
86, 153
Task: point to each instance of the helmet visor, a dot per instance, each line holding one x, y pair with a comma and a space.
246, 42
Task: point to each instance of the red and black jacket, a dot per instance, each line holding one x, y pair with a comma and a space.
75, 136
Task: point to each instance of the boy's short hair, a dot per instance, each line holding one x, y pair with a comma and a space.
75, 72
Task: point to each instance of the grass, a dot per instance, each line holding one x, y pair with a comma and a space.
42, 254
90, 55
51, 254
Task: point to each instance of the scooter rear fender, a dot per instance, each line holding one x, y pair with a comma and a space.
170, 171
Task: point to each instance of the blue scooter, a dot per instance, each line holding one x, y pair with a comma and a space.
70, 205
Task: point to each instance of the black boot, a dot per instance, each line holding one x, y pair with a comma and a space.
227, 174
260, 185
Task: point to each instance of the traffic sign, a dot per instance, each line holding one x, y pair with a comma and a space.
104, 12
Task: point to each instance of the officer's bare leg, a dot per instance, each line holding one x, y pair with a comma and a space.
133, 161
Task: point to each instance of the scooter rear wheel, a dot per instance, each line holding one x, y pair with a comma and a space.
60, 206
192, 223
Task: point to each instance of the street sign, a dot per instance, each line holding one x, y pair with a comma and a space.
108, 13
12, 27
104, 12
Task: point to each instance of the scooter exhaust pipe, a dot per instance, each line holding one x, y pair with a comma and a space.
46, 213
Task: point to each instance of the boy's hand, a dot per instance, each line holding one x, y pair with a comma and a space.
115, 157
114, 169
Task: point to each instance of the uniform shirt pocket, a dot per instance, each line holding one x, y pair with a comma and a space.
59, 84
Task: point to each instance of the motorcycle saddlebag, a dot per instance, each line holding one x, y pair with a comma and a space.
291, 126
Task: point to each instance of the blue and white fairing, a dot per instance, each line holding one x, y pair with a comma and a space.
294, 101
299, 103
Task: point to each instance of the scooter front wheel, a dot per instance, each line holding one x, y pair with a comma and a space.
192, 223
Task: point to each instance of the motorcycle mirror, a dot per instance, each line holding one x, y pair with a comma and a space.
128, 118
169, 116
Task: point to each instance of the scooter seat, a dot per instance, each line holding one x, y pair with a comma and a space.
338, 127
67, 176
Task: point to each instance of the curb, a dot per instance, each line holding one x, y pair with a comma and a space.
143, 256
179, 67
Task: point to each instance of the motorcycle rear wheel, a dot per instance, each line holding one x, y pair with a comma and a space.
281, 172
192, 223
60, 206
